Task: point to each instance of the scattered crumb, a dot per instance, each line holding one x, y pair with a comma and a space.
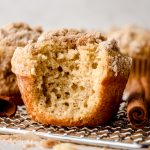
28, 146
31, 137
65, 146
31, 141
49, 143
20, 137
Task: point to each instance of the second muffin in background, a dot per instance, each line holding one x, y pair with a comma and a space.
12, 36
134, 41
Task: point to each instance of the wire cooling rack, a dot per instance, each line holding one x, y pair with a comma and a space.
118, 134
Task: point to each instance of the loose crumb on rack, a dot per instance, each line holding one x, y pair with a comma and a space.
27, 146
19, 137
49, 143
65, 146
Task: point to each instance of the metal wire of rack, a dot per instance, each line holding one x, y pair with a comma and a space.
118, 134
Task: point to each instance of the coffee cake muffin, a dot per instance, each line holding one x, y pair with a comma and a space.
71, 78
135, 42
12, 36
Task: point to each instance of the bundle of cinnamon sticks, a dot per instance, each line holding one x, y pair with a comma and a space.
137, 108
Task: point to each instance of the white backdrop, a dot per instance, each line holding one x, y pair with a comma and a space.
90, 14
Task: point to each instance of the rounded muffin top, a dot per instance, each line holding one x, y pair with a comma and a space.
64, 39
72, 38
18, 34
132, 40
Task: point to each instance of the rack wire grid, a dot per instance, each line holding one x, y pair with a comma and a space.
118, 134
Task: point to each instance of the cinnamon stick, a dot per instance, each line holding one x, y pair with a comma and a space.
137, 111
7, 106
145, 80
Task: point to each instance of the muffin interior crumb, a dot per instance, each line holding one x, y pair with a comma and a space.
70, 80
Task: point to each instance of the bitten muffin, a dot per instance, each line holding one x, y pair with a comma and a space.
71, 78
135, 42
12, 36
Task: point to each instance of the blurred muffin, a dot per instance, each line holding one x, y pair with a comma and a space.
135, 42
12, 36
